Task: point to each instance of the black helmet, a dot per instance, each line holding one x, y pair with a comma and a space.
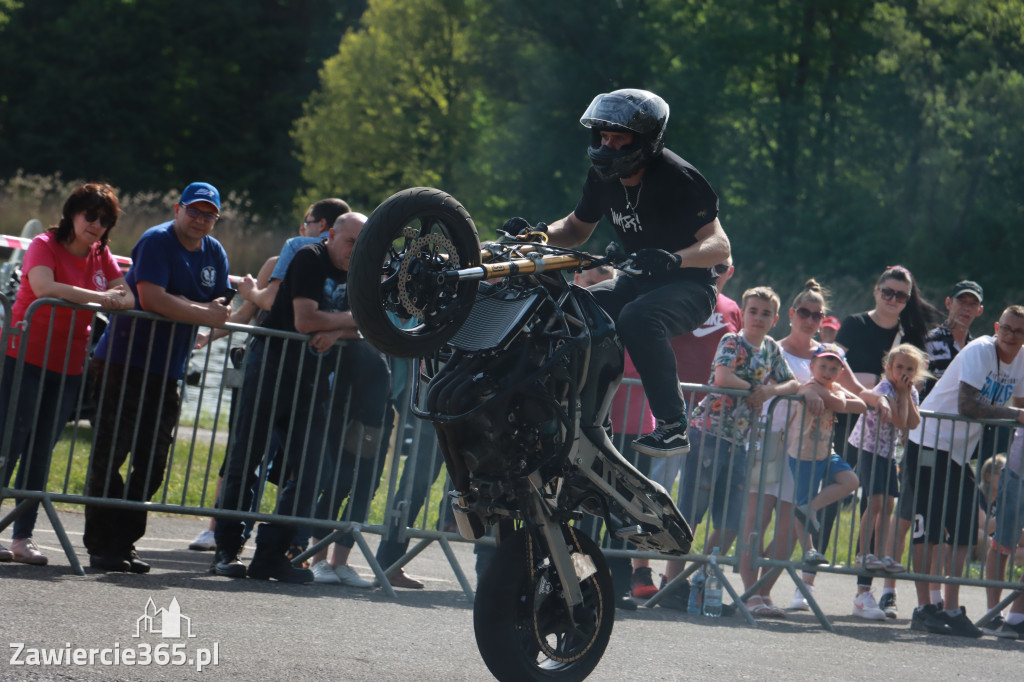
634, 111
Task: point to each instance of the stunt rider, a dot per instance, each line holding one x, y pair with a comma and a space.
666, 215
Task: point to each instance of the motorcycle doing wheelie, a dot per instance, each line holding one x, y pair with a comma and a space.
517, 369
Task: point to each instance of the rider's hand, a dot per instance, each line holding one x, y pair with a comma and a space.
655, 261
521, 227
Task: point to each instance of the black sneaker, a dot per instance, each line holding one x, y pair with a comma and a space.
625, 603
961, 626
678, 598
888, 604
104, 562
1008, 631
993, 626
279, 568
668, 439
227, 564
137, 565
641, 584
929, 618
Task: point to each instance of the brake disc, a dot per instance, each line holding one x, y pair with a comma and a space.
424, 250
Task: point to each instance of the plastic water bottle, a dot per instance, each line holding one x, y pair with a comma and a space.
713, 591
696, 603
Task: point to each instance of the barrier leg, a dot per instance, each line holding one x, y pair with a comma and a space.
994, 611
378, 572
446, 547
825, 623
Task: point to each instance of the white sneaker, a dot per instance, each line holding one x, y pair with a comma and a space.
347, 575
865, 606
204, 542
324, 573
892, 566
799, 603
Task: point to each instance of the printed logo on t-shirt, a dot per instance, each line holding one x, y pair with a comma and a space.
208, 277
713, 324
997, 392
334, 295
627, 222
99, 281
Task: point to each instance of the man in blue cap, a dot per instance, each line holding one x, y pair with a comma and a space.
179, 272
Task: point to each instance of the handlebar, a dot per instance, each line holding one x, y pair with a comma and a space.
532, 257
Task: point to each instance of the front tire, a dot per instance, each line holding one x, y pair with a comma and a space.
522, 624
402, 253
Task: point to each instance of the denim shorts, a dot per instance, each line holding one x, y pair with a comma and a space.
1009, 512
808, 475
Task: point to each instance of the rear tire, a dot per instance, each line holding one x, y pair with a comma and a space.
406, 245
520, 618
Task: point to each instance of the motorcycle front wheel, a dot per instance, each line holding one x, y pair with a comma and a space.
397, 291
523, 627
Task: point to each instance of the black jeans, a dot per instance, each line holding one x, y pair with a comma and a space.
283, 391
137, 415
648, 313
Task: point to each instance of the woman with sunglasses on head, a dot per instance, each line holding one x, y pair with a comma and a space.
69, 261
900, 315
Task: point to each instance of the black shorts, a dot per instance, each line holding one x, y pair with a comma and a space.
939, 496
878, 475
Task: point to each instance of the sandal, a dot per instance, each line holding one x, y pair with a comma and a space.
763, 608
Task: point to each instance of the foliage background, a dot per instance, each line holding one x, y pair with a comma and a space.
841, 135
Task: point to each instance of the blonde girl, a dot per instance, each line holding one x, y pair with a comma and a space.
905, 368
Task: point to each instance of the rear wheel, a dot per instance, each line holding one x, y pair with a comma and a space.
397, 292
524, 629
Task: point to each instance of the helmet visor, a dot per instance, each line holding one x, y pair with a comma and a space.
616, 112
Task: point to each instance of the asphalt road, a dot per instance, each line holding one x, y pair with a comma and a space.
271, 631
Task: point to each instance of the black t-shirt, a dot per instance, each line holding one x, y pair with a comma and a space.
865, 342
669, 206
941, 349
311, 274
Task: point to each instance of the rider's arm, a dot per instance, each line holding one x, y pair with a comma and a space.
712, 247
570, 231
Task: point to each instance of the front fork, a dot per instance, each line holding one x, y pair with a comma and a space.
561, 559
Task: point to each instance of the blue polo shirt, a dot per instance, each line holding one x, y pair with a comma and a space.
159, 258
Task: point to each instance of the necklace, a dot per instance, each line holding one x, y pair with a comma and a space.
631, 205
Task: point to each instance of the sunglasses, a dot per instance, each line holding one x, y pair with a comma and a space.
804, 314
890, 294
106, 220
196, 214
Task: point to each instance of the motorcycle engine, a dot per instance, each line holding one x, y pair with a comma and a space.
505, 407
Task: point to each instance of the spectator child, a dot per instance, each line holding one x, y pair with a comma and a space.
715, 471
809, 445
905, 368
829, 329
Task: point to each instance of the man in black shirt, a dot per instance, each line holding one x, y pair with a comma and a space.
287, 387
666, 215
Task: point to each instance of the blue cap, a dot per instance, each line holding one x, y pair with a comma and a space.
200, 191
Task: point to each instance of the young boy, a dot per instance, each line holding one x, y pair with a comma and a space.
715, 470
809, 446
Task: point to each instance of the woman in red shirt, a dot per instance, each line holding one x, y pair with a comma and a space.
69, 261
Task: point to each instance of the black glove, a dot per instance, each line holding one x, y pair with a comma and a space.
521, 227
655, 261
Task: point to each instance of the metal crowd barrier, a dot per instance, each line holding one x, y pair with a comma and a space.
206, 434
187, 484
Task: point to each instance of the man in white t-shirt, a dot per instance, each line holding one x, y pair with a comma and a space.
938, 491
